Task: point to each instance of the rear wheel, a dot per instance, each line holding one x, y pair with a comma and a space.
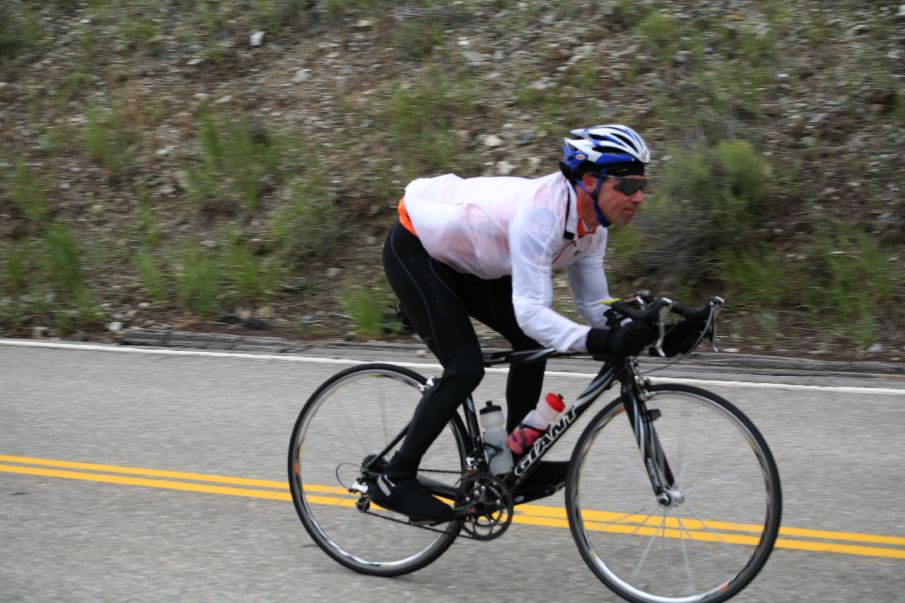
717, 528
351, 418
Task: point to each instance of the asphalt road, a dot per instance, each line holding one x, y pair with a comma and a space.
96, 503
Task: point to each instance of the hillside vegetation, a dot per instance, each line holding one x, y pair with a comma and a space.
191, 164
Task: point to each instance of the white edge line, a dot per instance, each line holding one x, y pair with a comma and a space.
423, 365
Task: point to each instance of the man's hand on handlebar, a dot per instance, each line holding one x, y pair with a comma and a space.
648, 327
627, 340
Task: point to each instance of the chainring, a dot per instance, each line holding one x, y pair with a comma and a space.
492, 503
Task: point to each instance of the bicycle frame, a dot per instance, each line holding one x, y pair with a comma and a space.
634, 394
604, 379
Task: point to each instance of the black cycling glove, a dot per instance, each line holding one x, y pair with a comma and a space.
628, 340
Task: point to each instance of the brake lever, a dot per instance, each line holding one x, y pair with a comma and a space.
661, 326
716, 304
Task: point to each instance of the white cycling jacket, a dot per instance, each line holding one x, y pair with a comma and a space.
491, 227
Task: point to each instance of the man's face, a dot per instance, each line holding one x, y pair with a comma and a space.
616, 206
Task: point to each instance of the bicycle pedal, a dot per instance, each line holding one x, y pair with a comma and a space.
359, 488
464, 511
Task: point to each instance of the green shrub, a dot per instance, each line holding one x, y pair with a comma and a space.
276, 15
152, 276
336, 9
306, 224
198, 281
758, 280
62, 262
142, 27
18, 35
703, 204
107, 140
739, 83
249, 278
626, 12
365, 307
422, 120
87, 310
625, 259
416, 38
545, 106
27, 193
757, 49
854, 284
11, 39
659, 32
147, 221
15, 271
46, 277
237, 160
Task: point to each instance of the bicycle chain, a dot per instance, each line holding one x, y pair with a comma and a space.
462, 533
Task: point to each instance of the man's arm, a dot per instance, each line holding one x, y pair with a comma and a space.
534, 237
587, 280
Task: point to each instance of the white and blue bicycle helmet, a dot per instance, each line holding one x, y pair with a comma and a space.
601, 146
611, 149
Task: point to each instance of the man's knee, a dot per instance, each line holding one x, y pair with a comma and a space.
521, 342
465, 365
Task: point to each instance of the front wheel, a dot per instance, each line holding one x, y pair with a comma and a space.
349, 420
713, 533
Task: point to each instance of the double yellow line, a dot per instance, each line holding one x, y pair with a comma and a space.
848, 543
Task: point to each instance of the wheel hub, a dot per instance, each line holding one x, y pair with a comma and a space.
671, 498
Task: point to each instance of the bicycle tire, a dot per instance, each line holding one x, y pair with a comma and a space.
721, 532
335, 431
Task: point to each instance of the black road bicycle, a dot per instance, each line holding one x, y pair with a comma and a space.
672, 494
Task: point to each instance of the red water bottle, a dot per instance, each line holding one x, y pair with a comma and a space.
535, 424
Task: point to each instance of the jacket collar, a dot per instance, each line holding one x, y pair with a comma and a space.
570, 230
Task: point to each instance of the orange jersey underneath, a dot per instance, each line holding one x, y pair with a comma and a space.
404, 218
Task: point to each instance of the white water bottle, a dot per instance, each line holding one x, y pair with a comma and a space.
495, 439
535, 423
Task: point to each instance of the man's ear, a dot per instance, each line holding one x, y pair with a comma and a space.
589, 181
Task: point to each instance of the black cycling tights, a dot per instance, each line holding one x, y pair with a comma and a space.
439, 300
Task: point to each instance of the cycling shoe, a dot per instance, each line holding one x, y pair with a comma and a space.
397, 489
405, 495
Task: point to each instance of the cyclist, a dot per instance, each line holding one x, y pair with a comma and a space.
486, 248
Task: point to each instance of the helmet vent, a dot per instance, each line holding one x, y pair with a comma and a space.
626, 141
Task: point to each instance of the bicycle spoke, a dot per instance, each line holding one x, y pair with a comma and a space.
383, 421
688, 569
694, 485
643, 523
650, 542
679, 471
632, 461
619, 521
734, 550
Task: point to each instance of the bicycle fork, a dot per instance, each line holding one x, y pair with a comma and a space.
653, 456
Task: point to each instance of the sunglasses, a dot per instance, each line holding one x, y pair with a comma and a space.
629, 186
